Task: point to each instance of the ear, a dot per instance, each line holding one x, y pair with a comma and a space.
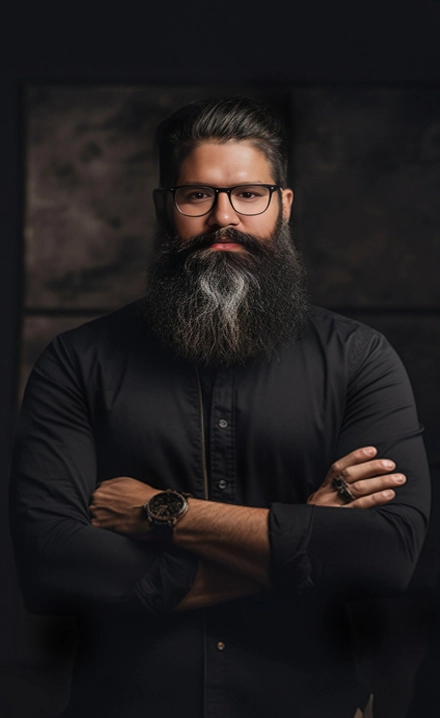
160, 206
288, 196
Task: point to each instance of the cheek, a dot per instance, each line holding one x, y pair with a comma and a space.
188, 227
262, 225
184, 227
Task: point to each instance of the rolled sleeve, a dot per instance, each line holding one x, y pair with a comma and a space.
167, 582
289, 532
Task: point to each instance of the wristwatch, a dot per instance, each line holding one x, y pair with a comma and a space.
164, 510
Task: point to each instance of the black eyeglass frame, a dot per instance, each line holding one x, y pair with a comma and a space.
272, 187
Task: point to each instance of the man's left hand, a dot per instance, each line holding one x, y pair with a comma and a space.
116, 505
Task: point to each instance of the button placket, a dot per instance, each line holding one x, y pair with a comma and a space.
222, 437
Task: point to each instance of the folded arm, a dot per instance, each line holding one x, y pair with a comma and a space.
237, 538
63, 562
372, 550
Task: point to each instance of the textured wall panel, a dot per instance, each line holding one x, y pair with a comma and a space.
367, 176
90, 173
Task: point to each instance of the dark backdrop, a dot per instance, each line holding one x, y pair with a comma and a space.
338, 49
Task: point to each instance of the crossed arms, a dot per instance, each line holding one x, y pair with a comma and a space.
82, 545
232, 542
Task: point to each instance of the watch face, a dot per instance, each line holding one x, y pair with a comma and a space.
166, 505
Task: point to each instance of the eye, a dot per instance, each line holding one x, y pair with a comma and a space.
194, 195
249, 194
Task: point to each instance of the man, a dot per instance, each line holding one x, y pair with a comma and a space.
287, 436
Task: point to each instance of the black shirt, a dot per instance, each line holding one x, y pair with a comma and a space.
107, 400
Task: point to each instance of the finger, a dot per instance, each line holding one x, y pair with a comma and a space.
369, 502
359, 456
376, 484
94, 513
368, 470
99, 491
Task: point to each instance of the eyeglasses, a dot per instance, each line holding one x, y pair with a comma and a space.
197, 200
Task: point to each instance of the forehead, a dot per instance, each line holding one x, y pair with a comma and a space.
225, 164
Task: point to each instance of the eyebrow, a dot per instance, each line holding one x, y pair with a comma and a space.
239, 184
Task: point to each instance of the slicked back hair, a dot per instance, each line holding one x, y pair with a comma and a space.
220, 120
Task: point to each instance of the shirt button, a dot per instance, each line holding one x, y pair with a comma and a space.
222, 484
222, 423
221, 646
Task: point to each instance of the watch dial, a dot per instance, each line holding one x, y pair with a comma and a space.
166, 505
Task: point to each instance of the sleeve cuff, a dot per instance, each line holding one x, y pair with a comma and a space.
167, 582
289, 531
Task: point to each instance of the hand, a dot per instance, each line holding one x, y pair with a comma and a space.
215, 584
369, 480
117, 504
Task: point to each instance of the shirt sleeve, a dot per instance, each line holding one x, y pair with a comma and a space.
362, 551
64, 563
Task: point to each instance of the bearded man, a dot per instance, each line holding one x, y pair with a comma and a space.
205, 476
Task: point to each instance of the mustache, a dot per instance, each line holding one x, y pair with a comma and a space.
205, 239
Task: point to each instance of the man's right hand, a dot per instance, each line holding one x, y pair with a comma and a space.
369, 480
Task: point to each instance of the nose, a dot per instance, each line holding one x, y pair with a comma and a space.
223, 213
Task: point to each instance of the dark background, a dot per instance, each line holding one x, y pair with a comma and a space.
341, 50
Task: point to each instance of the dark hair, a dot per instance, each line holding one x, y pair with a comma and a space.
232, 118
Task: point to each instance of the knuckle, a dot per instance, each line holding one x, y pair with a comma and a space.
381, 482
356, 491
362, 487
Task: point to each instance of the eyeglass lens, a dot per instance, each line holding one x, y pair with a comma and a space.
196, 201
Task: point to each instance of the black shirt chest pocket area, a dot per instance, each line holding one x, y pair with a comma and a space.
137, 435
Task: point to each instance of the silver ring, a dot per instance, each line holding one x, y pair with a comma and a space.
341, 487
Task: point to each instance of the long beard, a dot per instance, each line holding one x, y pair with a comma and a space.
220, 308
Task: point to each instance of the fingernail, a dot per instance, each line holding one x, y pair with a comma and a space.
399, 479
388, 464
370, 450
388, 494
